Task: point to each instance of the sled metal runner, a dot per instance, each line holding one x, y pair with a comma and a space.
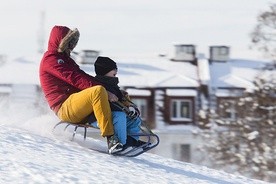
85, 126
152, 142
151, 139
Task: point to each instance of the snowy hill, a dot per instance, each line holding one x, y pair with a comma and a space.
31, 153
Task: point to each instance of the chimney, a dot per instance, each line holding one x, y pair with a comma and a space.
87, 56
185, 53
219, 53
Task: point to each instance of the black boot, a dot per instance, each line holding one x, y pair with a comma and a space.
113, 144
133, 142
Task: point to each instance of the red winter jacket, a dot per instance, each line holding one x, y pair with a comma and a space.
59, 75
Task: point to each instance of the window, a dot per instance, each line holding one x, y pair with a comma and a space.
181, 110
142, 106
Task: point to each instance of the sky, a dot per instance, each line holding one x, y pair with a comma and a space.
132, 29
31, 153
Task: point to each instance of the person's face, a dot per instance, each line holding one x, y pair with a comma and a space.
112, 73
73, 43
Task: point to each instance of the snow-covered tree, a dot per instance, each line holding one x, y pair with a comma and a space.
263, 36
245, 143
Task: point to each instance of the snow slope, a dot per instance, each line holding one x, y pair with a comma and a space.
31, 153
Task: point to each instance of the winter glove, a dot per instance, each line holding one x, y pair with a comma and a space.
133, 112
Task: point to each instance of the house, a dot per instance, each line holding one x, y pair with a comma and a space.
167, 91
170, 92
230, 79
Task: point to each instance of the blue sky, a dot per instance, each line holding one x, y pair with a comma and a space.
137, 28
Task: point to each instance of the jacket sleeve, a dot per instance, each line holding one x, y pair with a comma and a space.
126, 99
69, 72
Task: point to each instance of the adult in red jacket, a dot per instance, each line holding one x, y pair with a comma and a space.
70, 92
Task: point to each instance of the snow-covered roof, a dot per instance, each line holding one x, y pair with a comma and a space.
154, 73
151, 73
181, 92
5, 89
235, 73
227, 93
138, 73
138, 92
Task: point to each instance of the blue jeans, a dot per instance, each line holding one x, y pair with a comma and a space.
124, 126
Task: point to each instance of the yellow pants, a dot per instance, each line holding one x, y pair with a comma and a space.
91, 100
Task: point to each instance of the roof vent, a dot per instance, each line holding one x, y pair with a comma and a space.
219, 53
184, 53
87, 56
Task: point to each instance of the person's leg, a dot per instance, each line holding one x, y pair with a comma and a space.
119, 123
133, 127
91, 100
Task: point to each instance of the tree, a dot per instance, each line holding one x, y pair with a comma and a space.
263, 36
246, 144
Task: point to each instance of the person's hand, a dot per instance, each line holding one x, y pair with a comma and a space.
112, 97
133, 112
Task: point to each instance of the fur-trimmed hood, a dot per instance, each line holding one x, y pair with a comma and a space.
62, 39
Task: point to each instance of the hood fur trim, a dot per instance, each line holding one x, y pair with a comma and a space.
72, 35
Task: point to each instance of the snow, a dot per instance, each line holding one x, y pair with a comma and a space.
203, 70
5, 89
181, 92
139, 92
32, 153
235, 73
252, 135
156, 73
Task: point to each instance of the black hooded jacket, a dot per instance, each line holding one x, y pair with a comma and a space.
111, 85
